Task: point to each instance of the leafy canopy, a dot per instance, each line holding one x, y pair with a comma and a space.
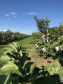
42, 24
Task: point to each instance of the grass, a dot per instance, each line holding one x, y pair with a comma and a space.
25, 43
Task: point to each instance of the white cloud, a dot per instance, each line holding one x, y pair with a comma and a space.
7, 15
3, 30
25, 33
13, 13
32, 13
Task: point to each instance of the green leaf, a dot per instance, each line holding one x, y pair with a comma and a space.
15, 44
53, 54
20, 53
50, 66
60, 73
8, 67
52, 72
5, 79
28, 66
55, 44
5, 53
5, 58
44, 80
23, 59
14, 65
62, 45
32, 67
56, 63
13, 47
61, 37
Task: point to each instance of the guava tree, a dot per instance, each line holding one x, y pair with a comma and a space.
43, 25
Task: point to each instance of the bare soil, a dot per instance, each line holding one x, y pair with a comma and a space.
41, 61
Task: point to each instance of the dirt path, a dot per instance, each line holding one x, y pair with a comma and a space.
36, 58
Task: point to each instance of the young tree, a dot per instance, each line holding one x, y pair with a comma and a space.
42, 25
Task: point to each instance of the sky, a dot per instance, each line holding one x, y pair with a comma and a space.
17, 15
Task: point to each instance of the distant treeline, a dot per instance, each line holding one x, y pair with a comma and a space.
9, 36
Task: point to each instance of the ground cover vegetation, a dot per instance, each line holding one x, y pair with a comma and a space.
18, 65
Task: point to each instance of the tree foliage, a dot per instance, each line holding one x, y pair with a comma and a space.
9, 36
55, 33
36, 35
42, 25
